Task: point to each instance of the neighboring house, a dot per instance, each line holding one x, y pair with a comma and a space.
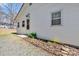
51, 21
5, 22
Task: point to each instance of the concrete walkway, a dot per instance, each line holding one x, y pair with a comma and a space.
12, 45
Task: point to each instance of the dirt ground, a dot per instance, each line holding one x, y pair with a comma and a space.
12, 45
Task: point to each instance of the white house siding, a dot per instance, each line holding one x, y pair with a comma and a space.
68, 31
22, 17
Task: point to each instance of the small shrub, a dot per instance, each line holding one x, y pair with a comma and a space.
32, 35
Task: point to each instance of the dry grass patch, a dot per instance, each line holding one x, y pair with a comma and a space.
4, 32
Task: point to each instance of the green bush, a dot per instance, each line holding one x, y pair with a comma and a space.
32, 35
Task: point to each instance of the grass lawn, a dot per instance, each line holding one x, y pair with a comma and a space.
11, 44
8, 34
5, 32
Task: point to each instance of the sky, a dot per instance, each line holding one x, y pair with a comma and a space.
16, 7
4, 11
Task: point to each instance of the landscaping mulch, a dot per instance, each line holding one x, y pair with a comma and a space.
54, 48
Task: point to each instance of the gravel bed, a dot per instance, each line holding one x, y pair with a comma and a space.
54, 48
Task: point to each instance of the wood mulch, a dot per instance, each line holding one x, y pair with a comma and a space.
54, 48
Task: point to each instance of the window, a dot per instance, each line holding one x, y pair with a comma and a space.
28, 23
30, 4
28, 15
23, 23
18, 24
56, 18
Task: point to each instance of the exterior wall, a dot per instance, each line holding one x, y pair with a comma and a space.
40, 22
21, 30
67, 32
22, 17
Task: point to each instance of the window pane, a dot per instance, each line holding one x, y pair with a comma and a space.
56, 18
57, 22
23, 23
28, 24
56, 14
18, 24
30, 4
27, 21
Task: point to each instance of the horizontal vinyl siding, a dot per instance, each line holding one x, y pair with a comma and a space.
68, 32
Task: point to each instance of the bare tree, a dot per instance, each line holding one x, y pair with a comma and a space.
10, 14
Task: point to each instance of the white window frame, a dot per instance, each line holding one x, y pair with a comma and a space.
56, 17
